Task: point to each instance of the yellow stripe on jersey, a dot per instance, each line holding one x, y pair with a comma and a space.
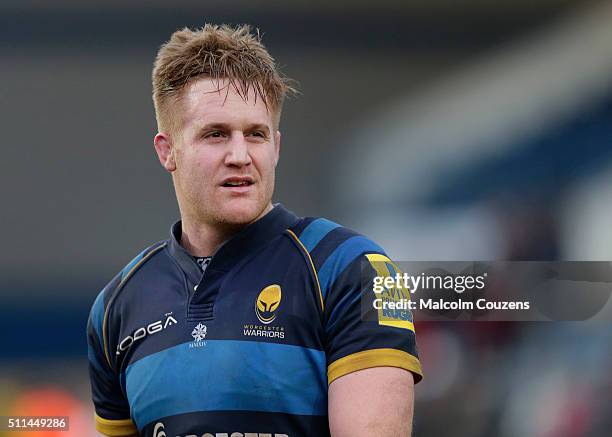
116, 428
127, 276
316, 275
374, 358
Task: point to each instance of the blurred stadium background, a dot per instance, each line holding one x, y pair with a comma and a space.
444, 130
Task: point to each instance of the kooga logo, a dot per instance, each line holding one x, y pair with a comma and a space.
142, 332
158, 431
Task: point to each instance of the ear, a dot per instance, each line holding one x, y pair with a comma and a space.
165, 151
277, 142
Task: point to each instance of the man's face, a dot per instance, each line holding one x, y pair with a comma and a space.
223, 156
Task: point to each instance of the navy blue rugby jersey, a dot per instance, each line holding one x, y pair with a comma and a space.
249, 347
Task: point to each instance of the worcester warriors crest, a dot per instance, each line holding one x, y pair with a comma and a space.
267, 303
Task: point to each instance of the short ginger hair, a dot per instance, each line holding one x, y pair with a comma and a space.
218, 52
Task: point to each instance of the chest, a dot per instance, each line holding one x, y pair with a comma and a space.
259, 347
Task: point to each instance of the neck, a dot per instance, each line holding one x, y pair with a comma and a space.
203, 239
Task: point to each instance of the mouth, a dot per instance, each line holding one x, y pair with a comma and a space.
238, 183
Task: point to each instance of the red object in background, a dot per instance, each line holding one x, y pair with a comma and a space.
53, 401
575, 415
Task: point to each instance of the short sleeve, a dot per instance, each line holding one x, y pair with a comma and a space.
359, 335
112, 411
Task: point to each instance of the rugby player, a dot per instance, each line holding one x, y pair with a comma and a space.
247, 321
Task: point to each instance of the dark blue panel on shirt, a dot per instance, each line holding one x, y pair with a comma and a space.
234, 306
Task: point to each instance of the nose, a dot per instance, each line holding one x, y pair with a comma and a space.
238, 152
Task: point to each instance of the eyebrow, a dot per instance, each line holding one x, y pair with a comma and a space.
227, 127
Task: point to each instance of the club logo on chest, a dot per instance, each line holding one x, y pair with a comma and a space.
267, 303
266, 309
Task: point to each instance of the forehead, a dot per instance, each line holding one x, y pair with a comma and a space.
208, 101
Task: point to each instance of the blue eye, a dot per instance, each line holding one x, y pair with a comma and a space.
214, 134
258, 134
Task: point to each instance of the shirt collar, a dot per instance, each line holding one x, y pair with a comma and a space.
244, 242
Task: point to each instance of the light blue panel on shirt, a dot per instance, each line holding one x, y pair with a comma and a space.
227, 375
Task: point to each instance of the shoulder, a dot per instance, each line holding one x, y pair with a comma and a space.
326, 239
332, 247
106, 295
318, 234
